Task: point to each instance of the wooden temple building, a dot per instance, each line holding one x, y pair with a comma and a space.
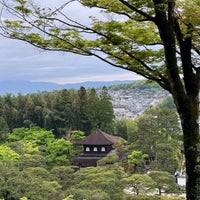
95, 146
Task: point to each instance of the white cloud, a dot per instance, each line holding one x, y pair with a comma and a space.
80, 79
21, 61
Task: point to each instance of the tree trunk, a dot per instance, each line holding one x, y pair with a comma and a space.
185, 92
159, 191
190, 125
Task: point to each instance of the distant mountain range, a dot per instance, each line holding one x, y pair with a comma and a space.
26, 87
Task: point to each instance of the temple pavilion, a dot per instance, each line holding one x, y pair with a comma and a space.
95, 146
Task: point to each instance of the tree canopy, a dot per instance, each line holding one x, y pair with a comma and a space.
61, 111
34, 156
158, 39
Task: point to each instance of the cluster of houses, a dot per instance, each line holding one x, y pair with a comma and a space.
132, 102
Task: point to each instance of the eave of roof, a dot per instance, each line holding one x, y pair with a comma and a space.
88, 158
99, 137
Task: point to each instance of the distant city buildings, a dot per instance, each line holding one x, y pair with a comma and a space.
131, 103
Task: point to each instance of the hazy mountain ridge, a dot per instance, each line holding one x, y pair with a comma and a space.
25, 87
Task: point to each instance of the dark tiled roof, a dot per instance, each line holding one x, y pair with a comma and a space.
99, 137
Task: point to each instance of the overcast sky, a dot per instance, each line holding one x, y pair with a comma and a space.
21, 61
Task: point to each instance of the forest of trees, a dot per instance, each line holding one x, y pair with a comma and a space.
60, 111
35, 159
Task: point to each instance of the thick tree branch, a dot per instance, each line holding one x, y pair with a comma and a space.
165, 25
185, 44
145, 15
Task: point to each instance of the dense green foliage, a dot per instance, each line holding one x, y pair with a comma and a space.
60, 111
155, 133
93, 183
36, 165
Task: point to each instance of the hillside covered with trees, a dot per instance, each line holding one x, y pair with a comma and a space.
35, 160
60, 111
71, 109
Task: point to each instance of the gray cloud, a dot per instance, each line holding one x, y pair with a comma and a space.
21, 61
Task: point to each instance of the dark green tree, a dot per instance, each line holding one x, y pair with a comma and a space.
50, 119
158, 135
33, 183
4, 130
28, 161
139, 183
121, 128
106, 112
167, 158
9, 113
82, 98
100, 179
165, 120
29, 112
164, 182
64, 175
147, 136
19, 105
62, 112
92, 108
